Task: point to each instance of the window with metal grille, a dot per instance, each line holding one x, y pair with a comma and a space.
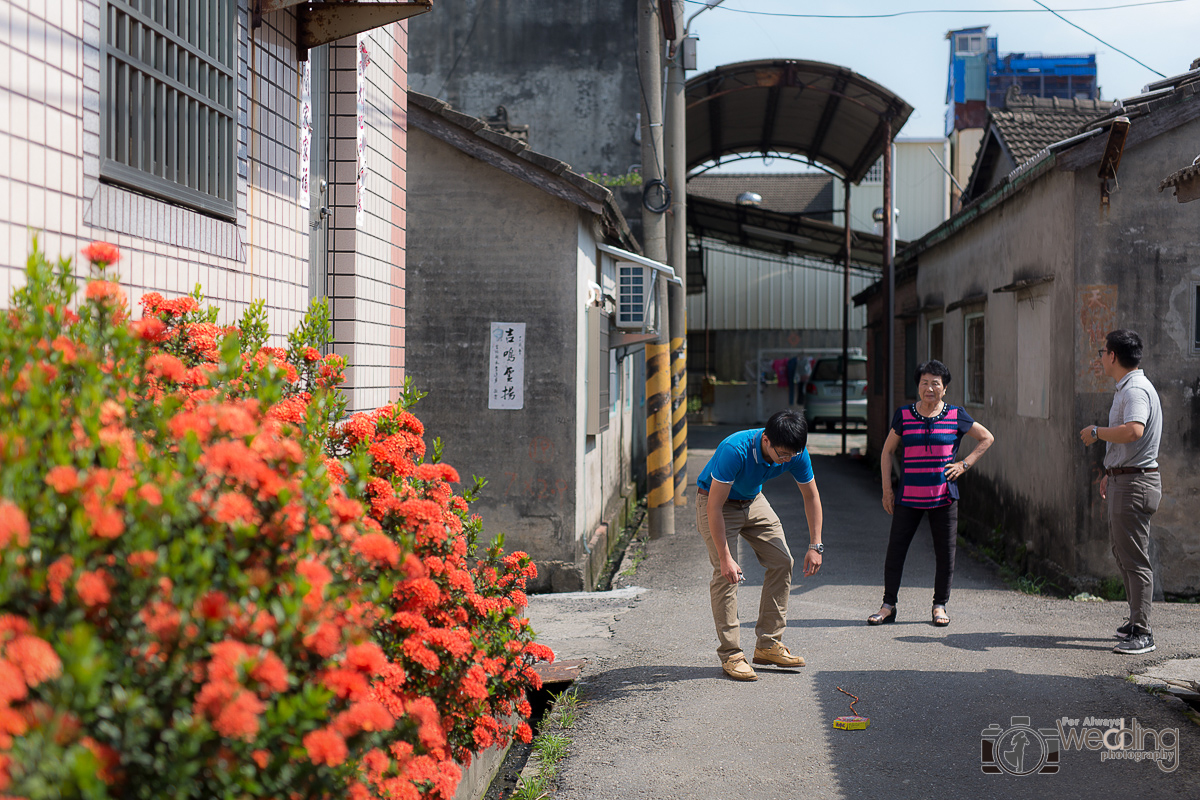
973, 336
168, 100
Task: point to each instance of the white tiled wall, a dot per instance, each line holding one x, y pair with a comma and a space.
50, 73
367, 269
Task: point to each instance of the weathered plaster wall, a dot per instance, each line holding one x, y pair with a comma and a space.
1023, 489
1138, 265
568, 70
515, 263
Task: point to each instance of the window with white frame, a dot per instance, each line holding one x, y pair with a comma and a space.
875, 173
966, 44
973, 352
168, 100
936, 349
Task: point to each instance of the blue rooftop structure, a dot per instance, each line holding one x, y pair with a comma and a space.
979, 77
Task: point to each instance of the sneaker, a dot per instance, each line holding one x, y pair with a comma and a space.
1124, 631
1136, 644
778, 655
737, 668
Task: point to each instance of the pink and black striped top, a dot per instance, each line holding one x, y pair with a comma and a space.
928, 445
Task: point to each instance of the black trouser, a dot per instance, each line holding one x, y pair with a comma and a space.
943, 524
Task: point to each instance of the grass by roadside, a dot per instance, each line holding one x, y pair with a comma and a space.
551, 745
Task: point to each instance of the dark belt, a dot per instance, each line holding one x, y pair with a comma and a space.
1129, 470
738, 503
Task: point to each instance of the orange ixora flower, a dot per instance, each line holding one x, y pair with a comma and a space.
325, 746
13, 524
102, 291
102, 253
62, 479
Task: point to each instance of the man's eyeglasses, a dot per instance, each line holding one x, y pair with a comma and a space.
783, 455
1102, 351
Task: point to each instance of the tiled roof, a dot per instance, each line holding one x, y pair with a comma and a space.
810, 195
512, 154
1028, 124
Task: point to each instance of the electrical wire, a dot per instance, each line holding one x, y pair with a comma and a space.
649, 132
938, 11
1098, 39
463, 49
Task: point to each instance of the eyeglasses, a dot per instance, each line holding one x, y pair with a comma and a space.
782, 455
1102, 351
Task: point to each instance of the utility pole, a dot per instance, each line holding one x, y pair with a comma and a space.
846, 309
676, 160
889, 267
659, 466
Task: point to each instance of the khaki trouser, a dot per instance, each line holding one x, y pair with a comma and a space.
757, 523
1132, 500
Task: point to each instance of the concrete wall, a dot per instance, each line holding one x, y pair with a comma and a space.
515, 263
1137, 267
879, 415
1024, 488
568, 70
553, 491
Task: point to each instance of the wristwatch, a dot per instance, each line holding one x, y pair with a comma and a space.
1095, 433
820, 548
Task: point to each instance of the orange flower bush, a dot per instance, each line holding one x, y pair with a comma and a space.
214, 585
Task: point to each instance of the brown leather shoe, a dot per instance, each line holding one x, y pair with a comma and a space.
737, 668
778, 655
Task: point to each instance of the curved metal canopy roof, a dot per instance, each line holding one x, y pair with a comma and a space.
829, 114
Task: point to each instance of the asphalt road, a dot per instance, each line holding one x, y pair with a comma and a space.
662, 721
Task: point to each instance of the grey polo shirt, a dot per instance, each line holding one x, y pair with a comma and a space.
1135, 401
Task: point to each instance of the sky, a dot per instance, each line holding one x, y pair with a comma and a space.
910, 55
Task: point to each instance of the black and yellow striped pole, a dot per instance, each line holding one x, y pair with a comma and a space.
660, 489
676, 162
679, 394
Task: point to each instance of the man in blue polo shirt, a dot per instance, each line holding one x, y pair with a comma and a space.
729, 503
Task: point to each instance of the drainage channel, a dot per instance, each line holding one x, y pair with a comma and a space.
557, 680
632, 534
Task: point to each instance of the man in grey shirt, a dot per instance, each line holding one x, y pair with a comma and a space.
1131, 483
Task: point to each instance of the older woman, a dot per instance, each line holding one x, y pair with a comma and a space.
929, 432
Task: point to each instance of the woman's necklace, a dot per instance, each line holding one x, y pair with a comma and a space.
937, 409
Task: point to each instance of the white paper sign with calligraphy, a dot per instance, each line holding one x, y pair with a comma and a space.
306, 132
506, 368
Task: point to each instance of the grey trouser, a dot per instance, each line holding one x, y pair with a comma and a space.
756, 522
1132, 499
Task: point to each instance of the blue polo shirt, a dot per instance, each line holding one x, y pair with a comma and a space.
739, 460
